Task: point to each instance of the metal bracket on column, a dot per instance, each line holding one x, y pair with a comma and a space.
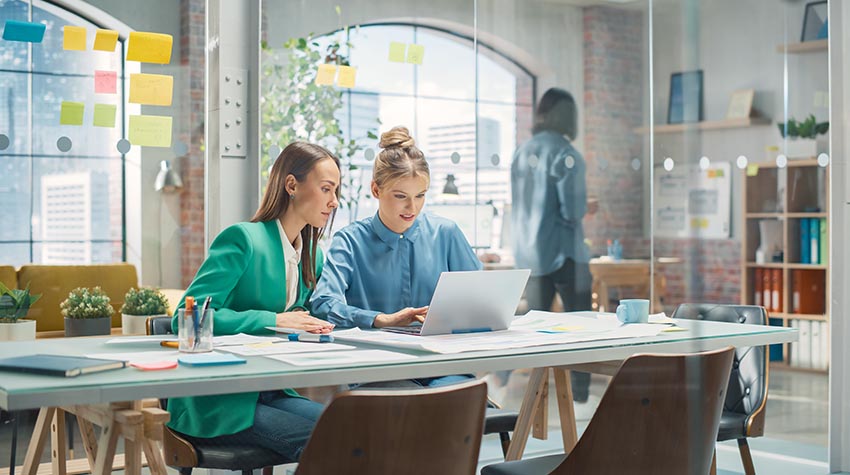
234, 111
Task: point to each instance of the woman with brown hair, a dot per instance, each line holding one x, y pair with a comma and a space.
382, 271
261, 274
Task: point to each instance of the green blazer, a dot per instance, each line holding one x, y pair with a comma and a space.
245, 276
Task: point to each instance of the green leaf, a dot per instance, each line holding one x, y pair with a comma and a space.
371, 135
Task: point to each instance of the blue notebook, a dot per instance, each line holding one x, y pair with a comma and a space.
58, 365
209, 359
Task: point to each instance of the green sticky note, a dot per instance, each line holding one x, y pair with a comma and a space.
104, 115
72, 113
150, 130
752, 169
397, 51
415, 53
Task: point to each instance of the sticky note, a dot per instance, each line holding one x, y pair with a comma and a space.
397, 51
752, 169
105, 40
325, 76
151, 89
105, 82
23, 31
148, 47
347, 75
75, 38
415, 53
72, 113
674, 329
104, 115
150, 130
699, 223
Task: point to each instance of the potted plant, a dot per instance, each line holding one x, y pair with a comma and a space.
87, 312
139, 304
14, 305
801, 137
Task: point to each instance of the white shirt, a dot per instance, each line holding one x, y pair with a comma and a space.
291, 258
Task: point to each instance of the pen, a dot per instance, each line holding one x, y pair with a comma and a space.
169, 344
310, 337
200, 327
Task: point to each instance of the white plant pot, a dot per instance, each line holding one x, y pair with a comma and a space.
134, 324
22, 330
801, 148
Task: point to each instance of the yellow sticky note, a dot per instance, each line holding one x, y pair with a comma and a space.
752, 169
150, 130
347, 75
151, 89
415, 53
260, 345
75, 38
104, 115
699, 223
567, 329
105, 40
326, 74
72, 113
397, 51
148, 47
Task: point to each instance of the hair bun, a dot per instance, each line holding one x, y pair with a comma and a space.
396, 137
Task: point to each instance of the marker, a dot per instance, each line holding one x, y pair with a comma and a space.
310, 337
169, 344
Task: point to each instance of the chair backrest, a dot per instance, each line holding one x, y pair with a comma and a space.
421, 431
660, 414
158, 326
747, 392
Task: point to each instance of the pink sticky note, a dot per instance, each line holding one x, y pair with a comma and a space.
105, 81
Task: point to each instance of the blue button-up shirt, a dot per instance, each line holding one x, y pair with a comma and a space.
371, 269
549, 200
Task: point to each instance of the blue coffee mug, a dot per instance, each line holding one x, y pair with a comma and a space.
633, 311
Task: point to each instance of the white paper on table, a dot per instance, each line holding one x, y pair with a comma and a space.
137, 340
661, 318
288, 347
573, 322
243, 339
336, 358
140, 356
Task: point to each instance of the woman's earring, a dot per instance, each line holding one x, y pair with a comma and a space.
292, 196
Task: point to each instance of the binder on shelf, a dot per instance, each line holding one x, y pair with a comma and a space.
758, 287
775, 289
766, 297
805, 242
809, 291
814, 239
795, 347
817, 352
775, 350
823, 258
805, 342
824, 345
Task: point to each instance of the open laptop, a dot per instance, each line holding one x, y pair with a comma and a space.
473, 301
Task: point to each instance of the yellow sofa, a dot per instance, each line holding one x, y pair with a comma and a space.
55, 282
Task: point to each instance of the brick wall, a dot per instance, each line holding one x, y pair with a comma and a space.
192, 44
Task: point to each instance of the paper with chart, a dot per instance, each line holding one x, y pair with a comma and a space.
282, 348
533, 329
342, 358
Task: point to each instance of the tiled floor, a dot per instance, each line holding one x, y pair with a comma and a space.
794, 443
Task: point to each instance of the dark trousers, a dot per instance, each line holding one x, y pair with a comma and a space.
572, 282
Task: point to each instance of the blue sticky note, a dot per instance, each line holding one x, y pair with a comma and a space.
23, 31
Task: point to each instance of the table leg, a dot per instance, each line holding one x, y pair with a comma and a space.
38, 439
106, 449
89, 439
566, 410
153, 454
14, 442
530, 405
602, 297
540, 430
58, 443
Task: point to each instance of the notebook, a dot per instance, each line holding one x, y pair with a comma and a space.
59, 365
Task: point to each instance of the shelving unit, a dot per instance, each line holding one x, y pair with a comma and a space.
787, 195
705, 125
802, 48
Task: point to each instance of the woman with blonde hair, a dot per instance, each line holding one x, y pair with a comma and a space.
261, 274
382, 271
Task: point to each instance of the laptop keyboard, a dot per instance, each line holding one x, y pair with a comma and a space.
414, 330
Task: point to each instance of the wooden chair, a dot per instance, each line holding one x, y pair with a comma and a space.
660, 414
746, 398
387, 432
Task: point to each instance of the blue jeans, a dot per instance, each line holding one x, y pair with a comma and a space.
281, 423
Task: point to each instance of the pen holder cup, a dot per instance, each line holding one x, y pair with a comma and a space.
195, 331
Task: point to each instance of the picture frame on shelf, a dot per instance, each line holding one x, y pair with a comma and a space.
815, 23
741, 104
686, 97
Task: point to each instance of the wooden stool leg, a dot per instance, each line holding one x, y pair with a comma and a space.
530, 405
746, 457
564, 388
38, 439
58, 447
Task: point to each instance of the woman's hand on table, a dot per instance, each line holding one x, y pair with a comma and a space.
301, 320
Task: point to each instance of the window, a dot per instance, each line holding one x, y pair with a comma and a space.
57, 207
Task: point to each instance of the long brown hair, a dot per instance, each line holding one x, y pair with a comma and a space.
399, 158
297, 159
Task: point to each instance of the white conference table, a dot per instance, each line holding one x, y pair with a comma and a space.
24, 391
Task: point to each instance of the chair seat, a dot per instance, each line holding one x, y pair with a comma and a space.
236, 457
531, 466
499, 420
732, 426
